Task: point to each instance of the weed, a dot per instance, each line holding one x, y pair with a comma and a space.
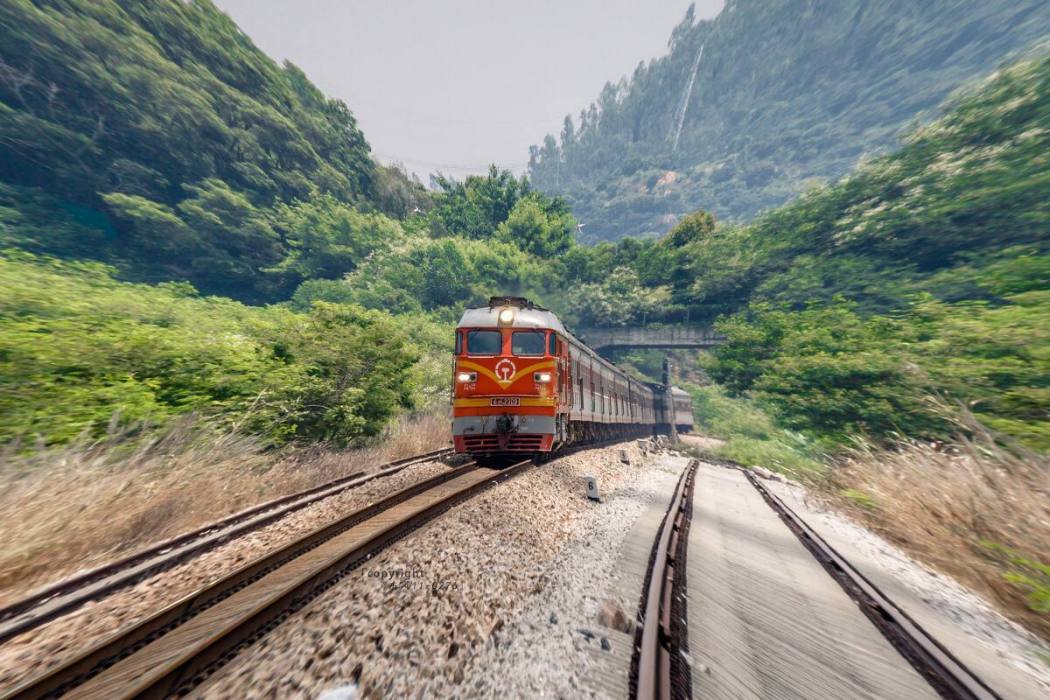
977, 509
80, 505
859, 497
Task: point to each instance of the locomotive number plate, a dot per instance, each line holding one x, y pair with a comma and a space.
505, 401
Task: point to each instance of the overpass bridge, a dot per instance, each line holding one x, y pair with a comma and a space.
650, 337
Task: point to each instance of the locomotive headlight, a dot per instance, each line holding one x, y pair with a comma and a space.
542, 377
464, 377
506, 316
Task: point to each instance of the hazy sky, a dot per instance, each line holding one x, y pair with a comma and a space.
452, 85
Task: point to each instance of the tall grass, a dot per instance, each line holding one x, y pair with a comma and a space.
77, 506
978, 510
751, 436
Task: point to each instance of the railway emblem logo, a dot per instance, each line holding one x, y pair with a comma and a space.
505, 369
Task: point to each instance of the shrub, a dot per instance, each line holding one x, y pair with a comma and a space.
79, 350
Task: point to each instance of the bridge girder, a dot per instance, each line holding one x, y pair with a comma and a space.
669, 337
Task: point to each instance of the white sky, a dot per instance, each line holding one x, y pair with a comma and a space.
453, 85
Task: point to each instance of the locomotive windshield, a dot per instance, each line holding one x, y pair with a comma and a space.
484, 342
526, 343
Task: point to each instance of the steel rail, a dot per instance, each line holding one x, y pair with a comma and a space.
94, 672
653, 663
55, 600
948, 676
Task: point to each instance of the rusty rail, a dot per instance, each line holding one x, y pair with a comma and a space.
67, 595
658, 672
179, 645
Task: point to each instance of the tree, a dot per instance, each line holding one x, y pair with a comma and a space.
154, 227
446, 277
568, 134
618, 300
240, 241
475, 207
693, 227
538, 226
326, 238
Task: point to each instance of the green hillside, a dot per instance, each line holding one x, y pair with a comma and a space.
757, 105
156, 136
173, 151
925, 274
921, 279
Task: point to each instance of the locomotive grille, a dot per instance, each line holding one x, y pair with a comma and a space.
515, 443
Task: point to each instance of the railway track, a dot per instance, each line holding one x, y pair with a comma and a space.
948, 676
658, 667
70, 594
177, 647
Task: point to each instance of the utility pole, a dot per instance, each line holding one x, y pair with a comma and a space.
670, 402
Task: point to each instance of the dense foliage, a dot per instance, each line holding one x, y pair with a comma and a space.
155, 135
180, 154
925, 273
875, 305
863, 308
755, 106
80, 350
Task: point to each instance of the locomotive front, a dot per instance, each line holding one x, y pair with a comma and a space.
505, 383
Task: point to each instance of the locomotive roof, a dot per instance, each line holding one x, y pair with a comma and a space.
524, 317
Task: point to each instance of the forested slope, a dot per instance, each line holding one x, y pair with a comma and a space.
769, 98
155, 135
924, 274
152, 142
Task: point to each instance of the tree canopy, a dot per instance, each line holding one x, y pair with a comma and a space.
159, 138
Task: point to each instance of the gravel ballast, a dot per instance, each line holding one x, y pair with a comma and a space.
499, 596
49, 645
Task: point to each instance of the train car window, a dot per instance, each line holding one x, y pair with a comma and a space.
459, 343
484, 342
583, 398
554, 344
526, 343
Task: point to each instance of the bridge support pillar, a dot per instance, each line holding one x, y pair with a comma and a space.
669, 398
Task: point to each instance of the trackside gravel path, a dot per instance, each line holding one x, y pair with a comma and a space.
765, 619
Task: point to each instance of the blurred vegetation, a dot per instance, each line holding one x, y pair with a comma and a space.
927, 272
1031, 576
80, 351
751, 108
182, 157
156, 136
751, 436
862, 308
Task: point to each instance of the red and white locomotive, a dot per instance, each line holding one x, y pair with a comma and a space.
523, 384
